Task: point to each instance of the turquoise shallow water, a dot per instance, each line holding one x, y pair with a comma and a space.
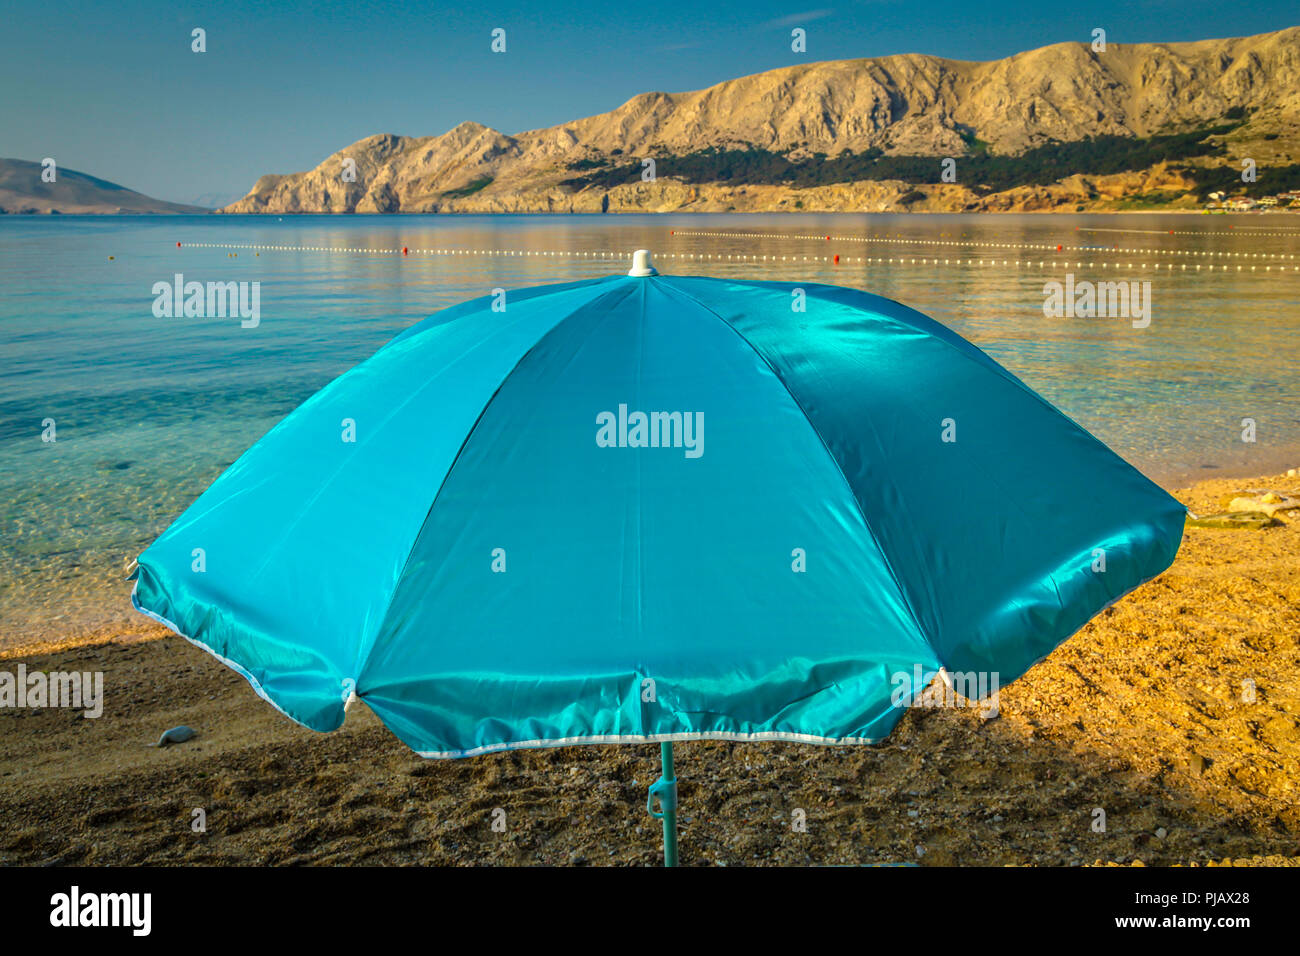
149, 410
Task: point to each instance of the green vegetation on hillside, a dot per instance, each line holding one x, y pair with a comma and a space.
469, 189
1041, 165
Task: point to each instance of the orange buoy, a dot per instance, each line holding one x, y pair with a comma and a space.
1058, 248
178, 245
403, 250
837, 258
828, 238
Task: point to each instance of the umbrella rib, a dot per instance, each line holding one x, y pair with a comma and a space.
469, 435
967, 350
898, 585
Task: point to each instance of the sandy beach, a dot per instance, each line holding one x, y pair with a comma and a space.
1144, 714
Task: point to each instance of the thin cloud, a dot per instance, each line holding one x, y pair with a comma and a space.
795, 19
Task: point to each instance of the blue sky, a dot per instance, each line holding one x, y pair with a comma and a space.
114, 90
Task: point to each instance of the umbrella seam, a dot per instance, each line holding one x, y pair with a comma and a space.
272, 549
972, 353
636, 502
902, 593
364, 656
981, 358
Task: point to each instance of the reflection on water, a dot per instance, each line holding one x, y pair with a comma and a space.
148, 411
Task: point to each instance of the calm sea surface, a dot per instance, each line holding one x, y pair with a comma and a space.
148, 411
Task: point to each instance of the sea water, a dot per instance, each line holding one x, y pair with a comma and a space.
147, 408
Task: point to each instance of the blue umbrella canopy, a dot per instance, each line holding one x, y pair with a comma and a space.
655, 508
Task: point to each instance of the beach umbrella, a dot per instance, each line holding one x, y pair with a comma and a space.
652, 508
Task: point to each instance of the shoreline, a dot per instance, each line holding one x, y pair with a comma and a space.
1153, 211
1139, 713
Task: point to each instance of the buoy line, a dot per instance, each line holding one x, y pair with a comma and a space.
1016, 263
1235, 230
832, 260
404, 250
1047, 247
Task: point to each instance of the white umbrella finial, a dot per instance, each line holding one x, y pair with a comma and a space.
641, 264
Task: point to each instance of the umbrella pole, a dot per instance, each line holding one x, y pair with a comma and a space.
665, 791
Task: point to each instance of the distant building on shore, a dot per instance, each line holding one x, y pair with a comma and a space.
1218, 202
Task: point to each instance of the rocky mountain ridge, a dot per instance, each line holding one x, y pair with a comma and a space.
896, 106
